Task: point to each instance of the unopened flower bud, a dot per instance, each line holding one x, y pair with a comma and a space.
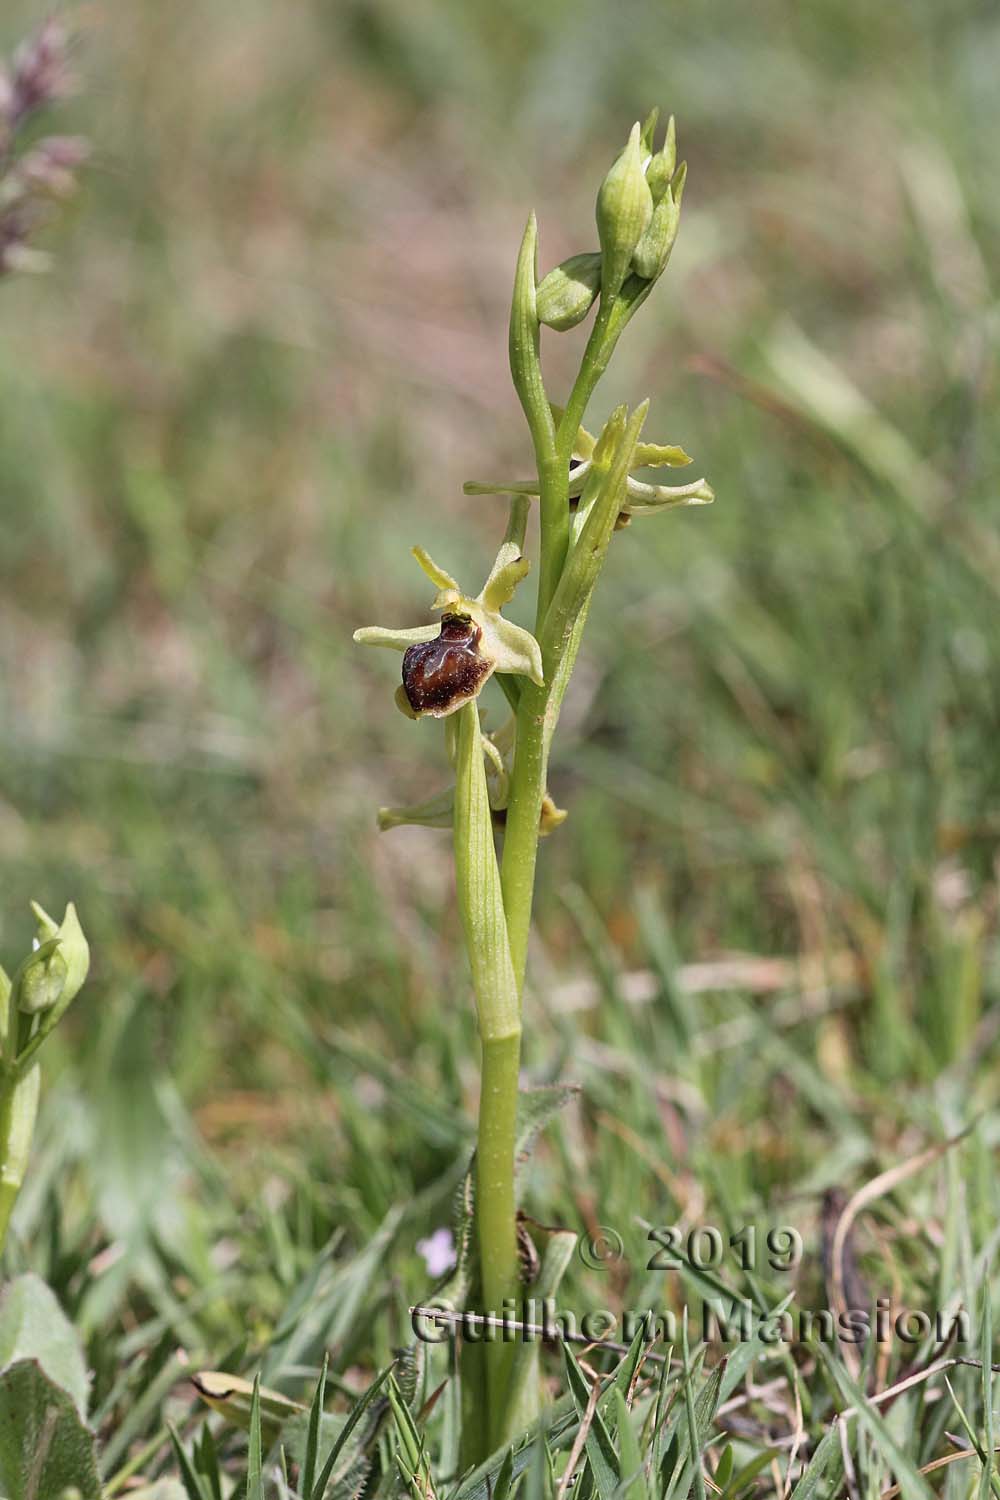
566, 295
624, 209
41, 979
661, 166
651, 254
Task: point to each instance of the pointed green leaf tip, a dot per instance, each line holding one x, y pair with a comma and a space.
624, 209
649, 130
660, 168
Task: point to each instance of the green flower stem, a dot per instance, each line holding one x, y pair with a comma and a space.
553, 473
18, 1109
600, 347
524, 808
498, 1004
537, 711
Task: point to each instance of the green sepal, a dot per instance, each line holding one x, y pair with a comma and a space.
660, 170
648, 134
397, 640
647, 499
660, 455
435, 812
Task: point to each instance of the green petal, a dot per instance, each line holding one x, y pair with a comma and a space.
507, 572
436, 812
659, 455
437, 576
379, 635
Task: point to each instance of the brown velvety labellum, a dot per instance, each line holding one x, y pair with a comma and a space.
441, 675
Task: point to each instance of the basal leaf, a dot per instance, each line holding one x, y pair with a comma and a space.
34, 1326
45, 1448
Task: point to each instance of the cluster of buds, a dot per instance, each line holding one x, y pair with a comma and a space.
31, 179
638, 211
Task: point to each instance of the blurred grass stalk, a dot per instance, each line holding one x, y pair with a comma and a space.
33, 1003
32, 177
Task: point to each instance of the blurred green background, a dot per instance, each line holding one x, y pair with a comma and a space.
271, 348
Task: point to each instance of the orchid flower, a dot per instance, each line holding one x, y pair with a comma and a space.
641, 499
446, 665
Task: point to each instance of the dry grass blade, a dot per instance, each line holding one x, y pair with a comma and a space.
876, 1188
936, 1463
580, 1440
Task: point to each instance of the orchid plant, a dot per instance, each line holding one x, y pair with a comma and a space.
587, 489
31, 1006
